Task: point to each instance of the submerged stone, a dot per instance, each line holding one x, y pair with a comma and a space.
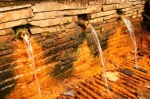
127, 72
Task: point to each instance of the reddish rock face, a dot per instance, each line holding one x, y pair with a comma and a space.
144, 44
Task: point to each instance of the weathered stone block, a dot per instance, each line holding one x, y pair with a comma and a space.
4, 46
71, 25
102, 1
112, 1
127, 9
51, 22
127, 15
53, 6
108, 7
47, 15
16, 15
66, 34
112, 20
122, 1
12, 24
92, 9
99, 2
96, 20
37, 30
109, 17
136, 20
123, 5
133, 16
14, 7
139, 6
6, 31
6, 38
108, 1
63, 40
137, 2
96, 15
130, 11
73, 12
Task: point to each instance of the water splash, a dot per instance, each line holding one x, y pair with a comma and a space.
95, 37
130, 28
31, 56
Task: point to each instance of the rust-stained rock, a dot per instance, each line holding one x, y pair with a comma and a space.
6, 38
71, 25
144, 44
6, 31
5, 52
143, 93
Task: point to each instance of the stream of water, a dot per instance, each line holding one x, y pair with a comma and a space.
31, 56
95, 37
130, 28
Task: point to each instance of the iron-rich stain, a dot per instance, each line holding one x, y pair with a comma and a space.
6, 86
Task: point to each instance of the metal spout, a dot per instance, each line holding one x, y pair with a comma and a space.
83, 23
20, 33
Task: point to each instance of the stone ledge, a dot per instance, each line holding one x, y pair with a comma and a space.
15, 15
47, 15
12, 24
14, 7
52, 22
53, 6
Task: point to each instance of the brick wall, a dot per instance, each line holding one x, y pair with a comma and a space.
57, 35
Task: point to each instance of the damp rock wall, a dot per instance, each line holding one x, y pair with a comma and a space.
57, 33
